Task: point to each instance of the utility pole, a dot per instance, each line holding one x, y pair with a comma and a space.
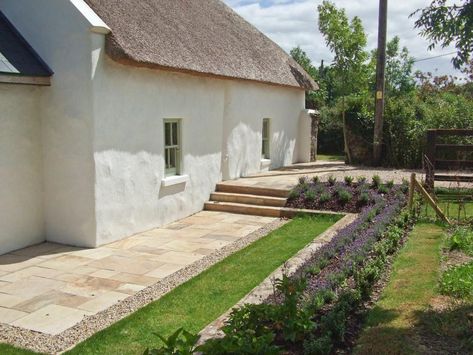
380, 82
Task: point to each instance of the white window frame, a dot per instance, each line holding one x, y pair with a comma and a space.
176, 170
266, 140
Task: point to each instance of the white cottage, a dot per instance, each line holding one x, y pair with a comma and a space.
120, 116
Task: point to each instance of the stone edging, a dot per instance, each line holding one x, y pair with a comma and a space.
264, 290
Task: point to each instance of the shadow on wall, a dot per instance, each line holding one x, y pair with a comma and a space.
244, 151
282, 150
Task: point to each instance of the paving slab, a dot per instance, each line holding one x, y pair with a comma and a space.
49, 287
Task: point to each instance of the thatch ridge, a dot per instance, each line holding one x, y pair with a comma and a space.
203, 37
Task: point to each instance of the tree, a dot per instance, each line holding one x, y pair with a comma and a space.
399, 68
444, 23
314, 99
347, 41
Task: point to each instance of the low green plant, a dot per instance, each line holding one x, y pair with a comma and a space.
363, 199
461, 239
315, 179
303, 180
361, 180
310, 195
181, 342
348, 180
458, 281
344, 196
383, 189
293, 194
376, 181
325, 197
331, 180
390, 184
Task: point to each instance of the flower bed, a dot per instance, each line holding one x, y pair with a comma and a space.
310, 312
346, 196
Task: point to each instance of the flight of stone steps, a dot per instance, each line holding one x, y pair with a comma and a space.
250, 200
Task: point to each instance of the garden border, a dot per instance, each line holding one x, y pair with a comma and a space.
264, 290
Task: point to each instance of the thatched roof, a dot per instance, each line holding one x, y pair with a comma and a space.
203, 37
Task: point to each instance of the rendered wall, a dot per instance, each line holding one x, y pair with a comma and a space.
247, 104
21, 204
61, 35
217, 115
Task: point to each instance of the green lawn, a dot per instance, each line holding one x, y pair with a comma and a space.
451, 210
326, 157
199, 301
10, 350
391, 326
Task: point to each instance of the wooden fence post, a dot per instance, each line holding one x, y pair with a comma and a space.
431, 156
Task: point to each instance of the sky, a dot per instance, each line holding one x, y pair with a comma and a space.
292, 23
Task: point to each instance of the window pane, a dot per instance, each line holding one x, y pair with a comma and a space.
265, 129
175, 132
173, 157
167, 134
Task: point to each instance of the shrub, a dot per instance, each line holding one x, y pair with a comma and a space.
363, 199
376, 181
324, 197
332, 180
458, 281
310, 196
293, 194
361, 180
303, 180
461, 239
348, 180
383, 189
315, 179
390, 184
344, 196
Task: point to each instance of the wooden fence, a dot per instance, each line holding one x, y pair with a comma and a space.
433, 160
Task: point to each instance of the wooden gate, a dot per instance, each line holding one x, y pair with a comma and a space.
434, 157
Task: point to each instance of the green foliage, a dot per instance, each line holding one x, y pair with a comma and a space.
344, 196
346, 40
376, 181
315, 179
348, 180
332, 180
181, 342
462, 239
383, 189
324, 197
310, 195
458, 281
390, 184
361, 180
449, 22
363, 199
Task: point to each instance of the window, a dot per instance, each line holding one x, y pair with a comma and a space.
172, 147
266, 139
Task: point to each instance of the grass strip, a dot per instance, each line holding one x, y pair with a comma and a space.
391, 324
202, 299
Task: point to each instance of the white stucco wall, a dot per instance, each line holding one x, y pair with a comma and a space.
217, 116
102, 131
21, 203
61, 35
247, 104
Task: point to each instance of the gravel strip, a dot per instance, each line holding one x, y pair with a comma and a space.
54, 344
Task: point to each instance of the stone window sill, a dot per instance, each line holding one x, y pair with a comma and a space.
174, 180
265, 163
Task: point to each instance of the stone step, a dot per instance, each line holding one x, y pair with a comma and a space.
252, 190
240, 208
248, 199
